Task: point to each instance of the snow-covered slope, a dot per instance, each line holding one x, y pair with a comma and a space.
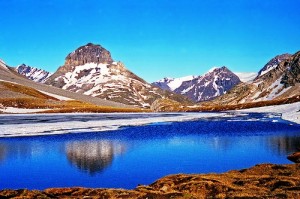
32, 73
91, 70
246, 77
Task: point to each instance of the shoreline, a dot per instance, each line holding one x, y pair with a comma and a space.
289, 112
48, 124
109, 121
262, 181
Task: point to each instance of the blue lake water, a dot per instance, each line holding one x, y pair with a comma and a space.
143, 154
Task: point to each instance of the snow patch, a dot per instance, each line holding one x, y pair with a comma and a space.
290, 112
21, 110
268, 69
59, 97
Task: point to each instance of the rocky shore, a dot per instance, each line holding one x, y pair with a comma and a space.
260, 181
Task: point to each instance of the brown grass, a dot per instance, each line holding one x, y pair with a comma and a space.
39, 100
25, 90
63, 106
214, 107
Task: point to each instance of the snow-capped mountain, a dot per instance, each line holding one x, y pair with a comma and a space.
209, 86
278, 79
91, 70
201, 88
172, 84
32, 73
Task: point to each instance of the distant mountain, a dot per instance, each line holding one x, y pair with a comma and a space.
246, 77
209, 86
32, 73
91, 70
172, 84
202, 88
278, 79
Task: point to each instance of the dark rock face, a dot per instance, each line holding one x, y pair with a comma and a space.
292, 74
89, 53
209, 86
295, 157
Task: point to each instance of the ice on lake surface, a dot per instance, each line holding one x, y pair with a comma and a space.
133, 155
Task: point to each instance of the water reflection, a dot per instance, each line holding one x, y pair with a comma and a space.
3, 149
93, 156
284, 145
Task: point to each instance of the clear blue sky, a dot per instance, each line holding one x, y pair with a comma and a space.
153, 38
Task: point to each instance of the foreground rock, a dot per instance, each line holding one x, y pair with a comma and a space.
295, 157
260, 181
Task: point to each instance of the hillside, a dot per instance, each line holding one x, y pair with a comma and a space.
19, 92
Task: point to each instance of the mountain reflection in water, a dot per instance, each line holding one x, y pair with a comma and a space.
92, 156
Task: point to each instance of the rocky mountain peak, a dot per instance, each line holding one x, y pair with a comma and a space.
217, 70
89, 53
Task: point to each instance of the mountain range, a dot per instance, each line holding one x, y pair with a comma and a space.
91, 71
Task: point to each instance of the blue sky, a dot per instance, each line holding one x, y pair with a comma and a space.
153, 38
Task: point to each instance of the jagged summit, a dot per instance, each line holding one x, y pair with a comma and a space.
89, 53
